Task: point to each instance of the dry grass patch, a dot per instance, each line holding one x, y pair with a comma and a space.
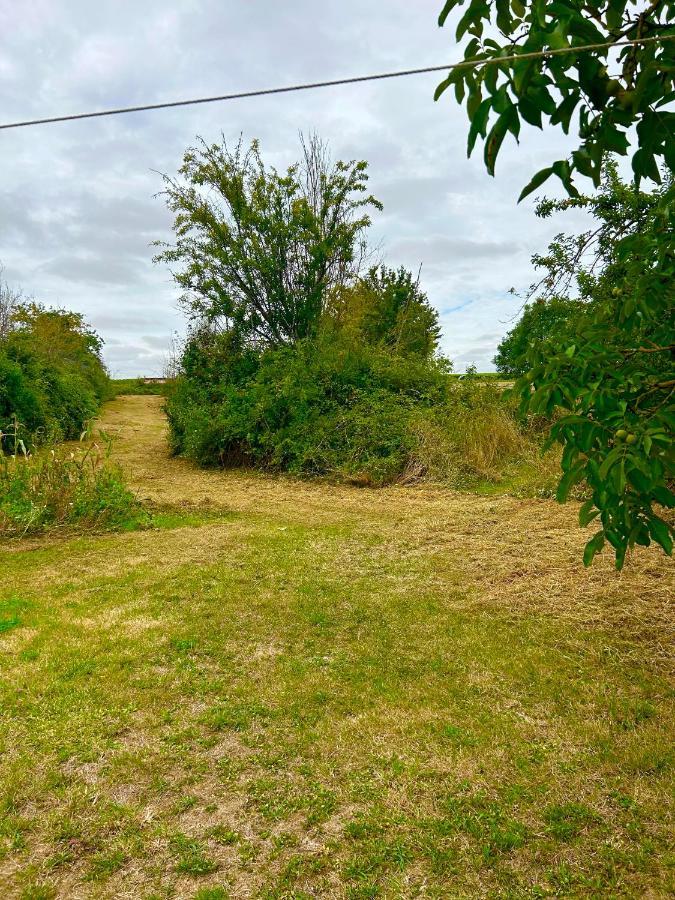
332, 692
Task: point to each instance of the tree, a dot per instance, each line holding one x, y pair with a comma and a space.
9, 300
606, 378
258, 251
541, 321
612, 376
387, 308
59, 335
52, 376
611, 88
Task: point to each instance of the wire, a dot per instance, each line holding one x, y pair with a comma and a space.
465, 64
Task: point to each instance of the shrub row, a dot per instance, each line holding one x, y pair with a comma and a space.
338, 409
52, 378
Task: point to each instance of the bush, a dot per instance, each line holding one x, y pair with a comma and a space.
59, 487
335, 409
52, 378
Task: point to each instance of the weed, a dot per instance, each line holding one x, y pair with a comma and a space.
38, 892
104, 864
566, 821
211, 893
58, 487
191, 856
225, 836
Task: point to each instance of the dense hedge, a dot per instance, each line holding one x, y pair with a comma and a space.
52, 377
331, 407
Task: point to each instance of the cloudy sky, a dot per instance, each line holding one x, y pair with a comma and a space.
78, 204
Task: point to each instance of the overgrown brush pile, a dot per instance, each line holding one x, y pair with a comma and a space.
62, 487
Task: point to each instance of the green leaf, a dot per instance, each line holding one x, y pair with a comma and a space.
530, 112
503, 16
474, 101
567, 482
445, 12
644, 166
610, 460
593, 547
563, 113
561, 168
536, 181
587, 513
456, 76
479, 123
664, 496
661, 532
494, 142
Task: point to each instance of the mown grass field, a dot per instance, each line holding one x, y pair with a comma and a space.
287, 689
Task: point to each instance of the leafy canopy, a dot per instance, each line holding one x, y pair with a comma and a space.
387, 308
599, 94
541, 321
612, 375
257, 251
52, 376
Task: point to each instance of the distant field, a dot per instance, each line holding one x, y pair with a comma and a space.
484, 376
135, 387
288, 689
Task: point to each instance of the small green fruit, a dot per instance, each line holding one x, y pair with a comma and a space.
631, 438
621, 434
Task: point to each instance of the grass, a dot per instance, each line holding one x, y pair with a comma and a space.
64, 488
135, 387
291, 690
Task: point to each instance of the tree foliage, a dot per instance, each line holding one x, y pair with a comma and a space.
387, 308
543, 321
259, 251
52, 377
600, 94
329, 405
340, 402
9, 300
613, 375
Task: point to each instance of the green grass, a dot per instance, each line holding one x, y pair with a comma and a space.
135, 387
59, 488
231, 704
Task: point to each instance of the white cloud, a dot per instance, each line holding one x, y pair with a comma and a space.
77, 211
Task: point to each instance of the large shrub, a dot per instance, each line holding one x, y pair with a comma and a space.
52, 377
298, 361
342, 409
328, 406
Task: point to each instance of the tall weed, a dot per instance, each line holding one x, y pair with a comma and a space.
61, 487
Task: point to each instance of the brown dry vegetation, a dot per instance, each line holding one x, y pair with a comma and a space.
295, 689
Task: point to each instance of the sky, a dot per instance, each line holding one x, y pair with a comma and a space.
79, 204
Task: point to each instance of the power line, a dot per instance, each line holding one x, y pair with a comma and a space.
465, 64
